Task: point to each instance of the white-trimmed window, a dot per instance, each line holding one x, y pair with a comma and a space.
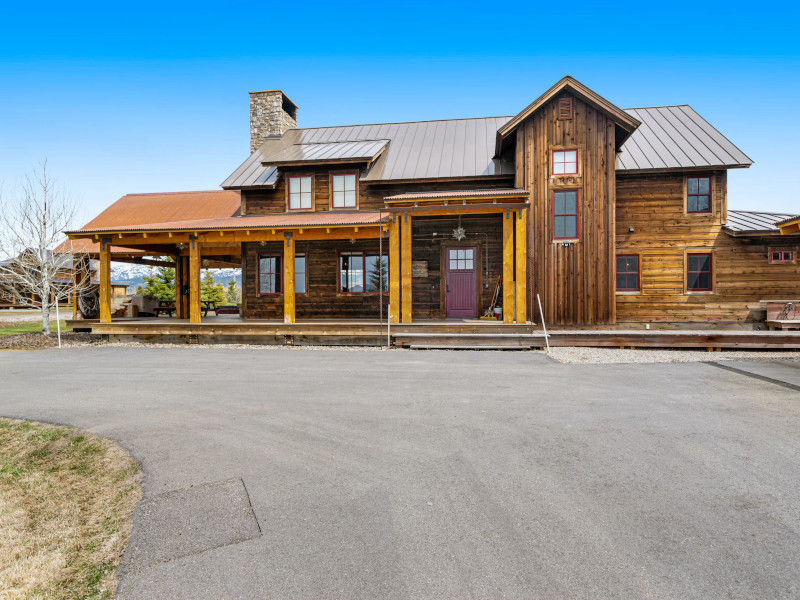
300, 192
565, 162
343, 190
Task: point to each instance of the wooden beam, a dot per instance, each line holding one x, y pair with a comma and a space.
194, 281
521, 266
184, 298
394, 269
405, 259
455, 209
105, 280
288, 281
508, 267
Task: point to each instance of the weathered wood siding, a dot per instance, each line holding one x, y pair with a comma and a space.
654, 206
575, 281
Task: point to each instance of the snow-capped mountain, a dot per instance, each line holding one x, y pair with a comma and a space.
133, 275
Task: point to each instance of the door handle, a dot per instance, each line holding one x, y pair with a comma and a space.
447, 288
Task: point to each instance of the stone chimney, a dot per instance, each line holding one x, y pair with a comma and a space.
271, 114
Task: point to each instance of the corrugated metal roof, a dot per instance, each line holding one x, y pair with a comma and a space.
745, 221
788, 220
136, 209
89, 246
496, 193
676, 137
282, 220
669, 137
358, 151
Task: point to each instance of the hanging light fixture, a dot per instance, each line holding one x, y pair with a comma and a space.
459, 233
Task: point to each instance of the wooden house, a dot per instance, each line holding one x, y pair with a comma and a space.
608, 216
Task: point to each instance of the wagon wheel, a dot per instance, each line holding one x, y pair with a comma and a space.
89, 303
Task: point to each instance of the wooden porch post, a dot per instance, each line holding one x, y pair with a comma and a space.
288, 280
522, 266
178, 281
105, 280
406, 266
394, 268
185, 283
76, 265
508, 266
194, 280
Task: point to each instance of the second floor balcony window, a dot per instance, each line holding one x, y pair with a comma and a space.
343, 191
300, 192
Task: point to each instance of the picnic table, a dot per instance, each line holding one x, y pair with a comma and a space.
208, 305
167, 306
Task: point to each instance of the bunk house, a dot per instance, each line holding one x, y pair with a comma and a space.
591, 218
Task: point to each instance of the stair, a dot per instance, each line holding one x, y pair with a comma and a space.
469, 341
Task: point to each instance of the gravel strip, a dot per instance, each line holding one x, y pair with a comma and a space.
37, 341
586, 355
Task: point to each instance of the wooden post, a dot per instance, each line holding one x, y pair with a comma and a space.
522, 266
194, 280
105, 280
76, 279
508, 267
406, 267
178, 280
394, 268
288, 279
185, 283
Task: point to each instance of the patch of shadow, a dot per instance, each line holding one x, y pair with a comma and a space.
190, 521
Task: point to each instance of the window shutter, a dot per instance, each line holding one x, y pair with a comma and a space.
564, 109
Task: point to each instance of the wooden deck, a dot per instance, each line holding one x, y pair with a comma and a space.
452, 333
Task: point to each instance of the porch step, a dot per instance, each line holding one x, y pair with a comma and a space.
483, 341
461, 347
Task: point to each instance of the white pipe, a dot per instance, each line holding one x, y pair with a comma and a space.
541, 312
58, 324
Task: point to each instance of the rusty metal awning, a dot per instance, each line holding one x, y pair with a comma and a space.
482, 194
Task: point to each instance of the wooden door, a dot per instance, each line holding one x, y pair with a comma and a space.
461, 279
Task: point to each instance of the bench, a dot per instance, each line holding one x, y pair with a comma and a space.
166, 306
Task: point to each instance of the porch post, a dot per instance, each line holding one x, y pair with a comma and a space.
105, 280
288, 280
194, 279
522, 266
406, 266
184, 283
76, 264
508, 266
178, 277
394, 268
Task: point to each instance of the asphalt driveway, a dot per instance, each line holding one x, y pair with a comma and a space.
365, 474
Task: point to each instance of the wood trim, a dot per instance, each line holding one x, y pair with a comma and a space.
508, 267
521, 266
333, 174
394, 269
406, 258
313, 194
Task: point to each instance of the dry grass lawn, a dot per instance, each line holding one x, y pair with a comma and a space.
66, 499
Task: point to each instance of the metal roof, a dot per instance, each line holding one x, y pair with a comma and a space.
418, 150
788, 220
676, 137
282, 220
357, 151
137, 209
745, 221
669, 137
496, 193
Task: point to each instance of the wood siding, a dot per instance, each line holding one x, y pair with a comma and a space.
575, 281
663, 233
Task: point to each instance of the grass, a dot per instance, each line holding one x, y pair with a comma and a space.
66, 499
30, 327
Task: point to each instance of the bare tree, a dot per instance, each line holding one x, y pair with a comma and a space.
37, 270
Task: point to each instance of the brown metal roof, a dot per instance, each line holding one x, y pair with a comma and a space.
496, 193
90, 246
745, 222
139, 209
283, 220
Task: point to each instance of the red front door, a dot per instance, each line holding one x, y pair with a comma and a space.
461, 278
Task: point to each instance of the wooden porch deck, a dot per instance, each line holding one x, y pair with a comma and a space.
451, 333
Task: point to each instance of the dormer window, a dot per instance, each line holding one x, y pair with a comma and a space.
698, 195
565, 162
343, 190
300, 192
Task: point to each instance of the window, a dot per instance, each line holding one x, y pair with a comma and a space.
698, 272
781, 256
698, 194
564, 109
363, 272
270, 274
565, 214
627, 273
300, 192
461, 259
343, 191
565, 162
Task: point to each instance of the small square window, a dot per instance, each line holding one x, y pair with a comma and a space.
300, 192
565, 162
782, 256
698, 194
343, 194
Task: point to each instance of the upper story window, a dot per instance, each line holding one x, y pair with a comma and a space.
565, 214
698, 272
698, 194
300, 192
343, 191
627, 272
781, 256
565, 162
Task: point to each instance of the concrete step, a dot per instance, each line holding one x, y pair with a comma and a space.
462, 347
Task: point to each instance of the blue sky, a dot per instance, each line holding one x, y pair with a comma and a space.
153, 97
